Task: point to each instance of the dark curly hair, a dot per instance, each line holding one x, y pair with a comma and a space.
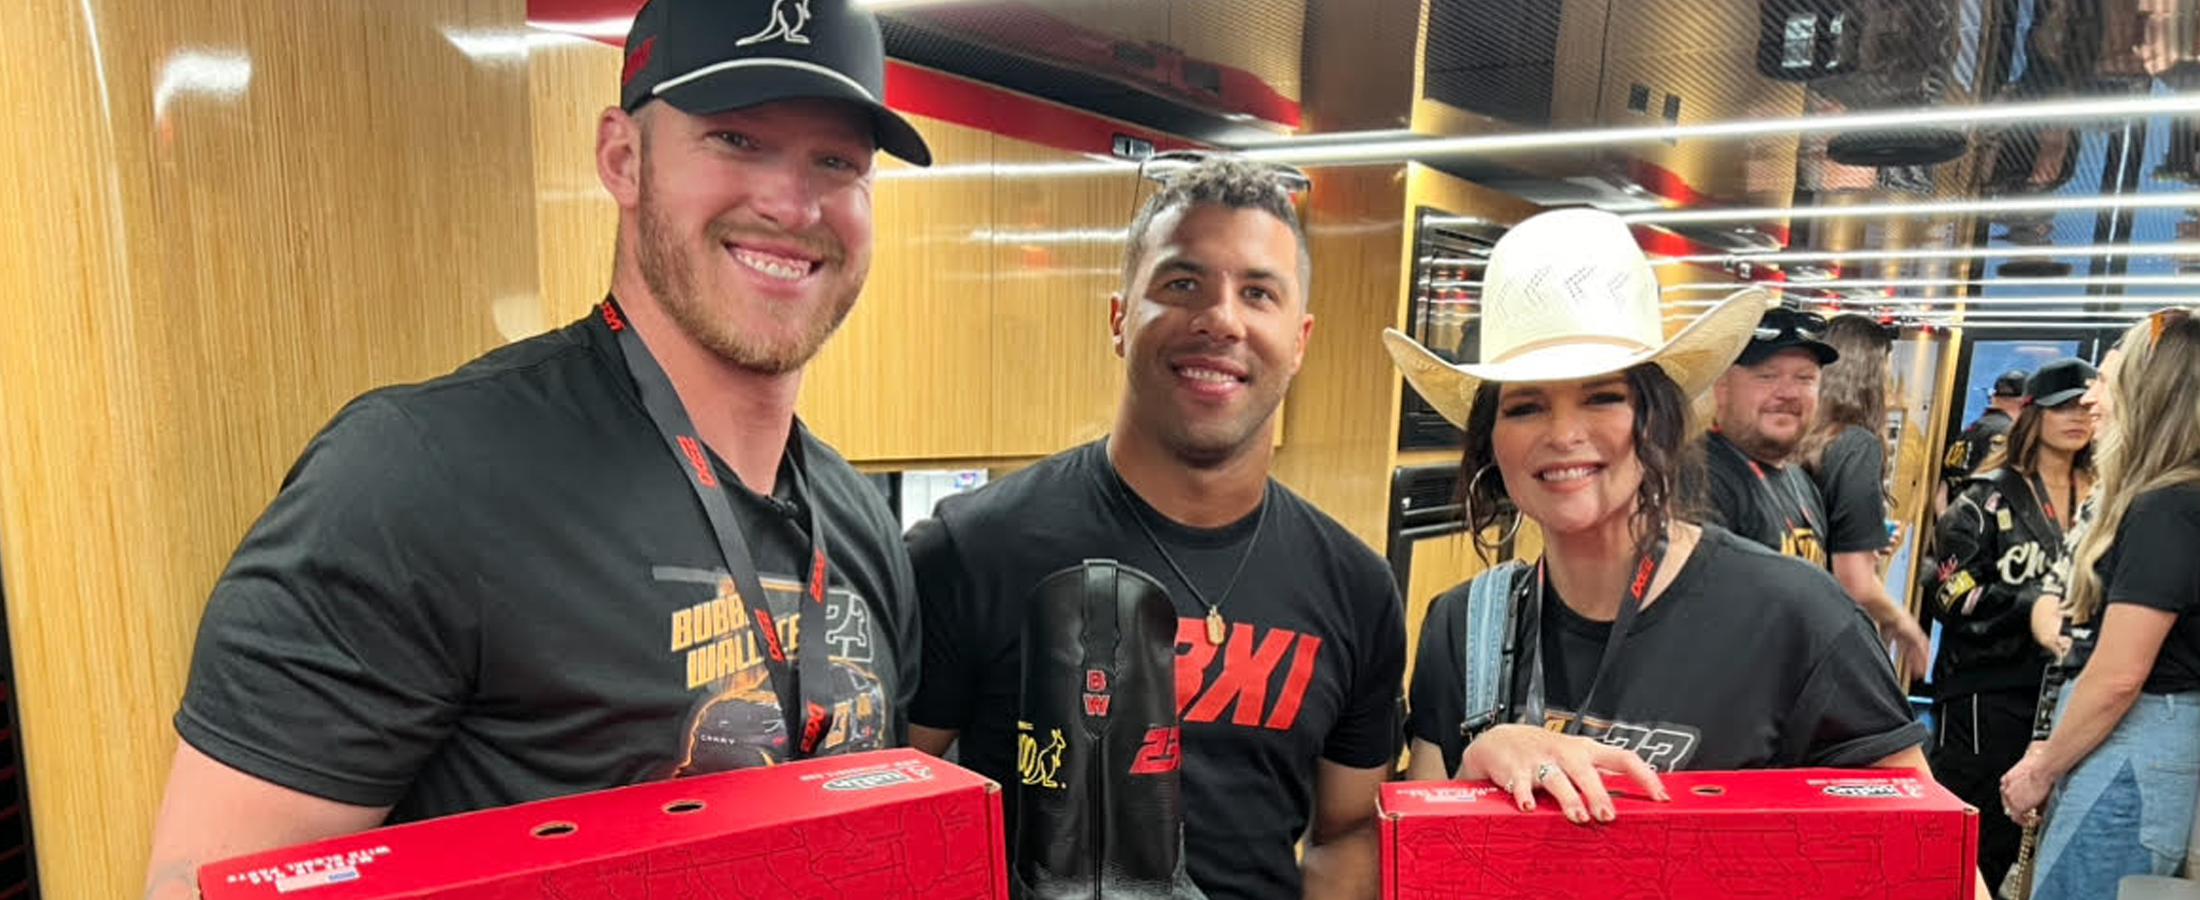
1671, 462
1223, 181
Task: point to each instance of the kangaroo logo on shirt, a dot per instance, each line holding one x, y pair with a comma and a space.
783, 26
1038, 765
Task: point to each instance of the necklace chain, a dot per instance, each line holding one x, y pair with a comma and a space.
1213, 607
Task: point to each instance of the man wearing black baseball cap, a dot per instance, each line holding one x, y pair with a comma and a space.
1766, 401
1982, 437
602, 555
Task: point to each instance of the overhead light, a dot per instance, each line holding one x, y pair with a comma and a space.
1386, 147
2068, 305
606, 29
2180, 199
2170, 248
2190, 281
222, 75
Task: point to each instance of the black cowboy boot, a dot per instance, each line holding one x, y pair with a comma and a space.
1102, 814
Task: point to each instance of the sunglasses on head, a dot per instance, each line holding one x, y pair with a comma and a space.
1166, 165
1781, 322
2162, 319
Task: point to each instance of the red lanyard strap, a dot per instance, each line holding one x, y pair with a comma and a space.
800, 687
1764, 483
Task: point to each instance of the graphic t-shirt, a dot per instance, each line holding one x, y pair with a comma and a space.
498, 586
1748, 660
1310, 670
1777, 506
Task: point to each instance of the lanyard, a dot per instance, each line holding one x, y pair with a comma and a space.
799, 686
1630, 603
2047, 501
1764, 483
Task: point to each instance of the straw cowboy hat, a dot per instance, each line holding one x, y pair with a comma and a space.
1569, 295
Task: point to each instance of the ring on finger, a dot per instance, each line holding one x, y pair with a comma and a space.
1545, 770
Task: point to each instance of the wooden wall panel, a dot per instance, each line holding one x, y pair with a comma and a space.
242, 217
907, 375
1057, 229
1341, 436
1355, 76
570, 81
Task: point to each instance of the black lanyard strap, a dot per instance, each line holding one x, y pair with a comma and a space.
1630, 604
799, 687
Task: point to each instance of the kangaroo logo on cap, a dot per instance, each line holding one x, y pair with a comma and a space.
780, 27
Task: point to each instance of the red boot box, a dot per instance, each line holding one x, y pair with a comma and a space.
891, 823
1797, 834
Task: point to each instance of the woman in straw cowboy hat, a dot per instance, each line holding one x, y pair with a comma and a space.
1639, 630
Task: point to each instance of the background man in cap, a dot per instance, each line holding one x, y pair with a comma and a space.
1981, 438
544, 573
1765, 403
1291, 637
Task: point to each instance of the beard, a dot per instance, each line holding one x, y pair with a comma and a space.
1761, 446
675, 272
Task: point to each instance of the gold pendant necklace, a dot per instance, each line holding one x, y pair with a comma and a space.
1217, 629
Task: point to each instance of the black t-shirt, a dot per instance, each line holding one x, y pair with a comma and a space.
1310, 671
1777, 506
2152, 564
1850, 480
1748, 660
498, 586
1973, 444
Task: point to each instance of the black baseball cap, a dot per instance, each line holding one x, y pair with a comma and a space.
2011, 383
2058, 382
709, 56
1782, 328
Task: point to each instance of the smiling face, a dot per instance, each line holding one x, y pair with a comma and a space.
1212, 329
1567, 452
753, 226
1766, 408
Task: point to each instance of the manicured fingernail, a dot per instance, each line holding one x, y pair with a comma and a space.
1527, 806
1604, 814
1578, 816
1663, 796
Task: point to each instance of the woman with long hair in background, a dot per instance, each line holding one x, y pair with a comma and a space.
1844, 454
2118, 777
1994, 546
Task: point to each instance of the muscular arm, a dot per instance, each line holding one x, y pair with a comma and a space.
211, 812
1341, 849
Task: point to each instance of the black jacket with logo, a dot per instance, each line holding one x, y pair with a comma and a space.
1996, 544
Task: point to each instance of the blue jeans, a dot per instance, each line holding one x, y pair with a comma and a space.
2127, 808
